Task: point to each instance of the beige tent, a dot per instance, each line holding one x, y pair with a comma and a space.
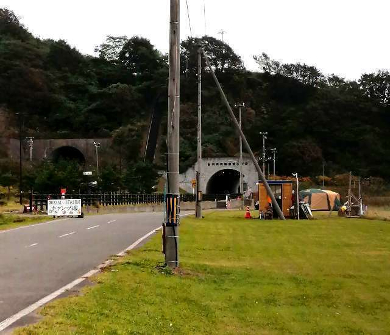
321, 200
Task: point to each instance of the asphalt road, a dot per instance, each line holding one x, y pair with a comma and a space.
38, 260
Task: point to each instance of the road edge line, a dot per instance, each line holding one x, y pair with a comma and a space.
12, 319
32, 225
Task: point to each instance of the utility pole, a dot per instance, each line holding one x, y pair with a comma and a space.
264, 135
273, 150
247, 146
171, 228
198, 208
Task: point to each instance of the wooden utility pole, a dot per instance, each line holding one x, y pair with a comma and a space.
171, 228
247, 146
198, 209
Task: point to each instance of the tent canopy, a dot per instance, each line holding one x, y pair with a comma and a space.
321, 200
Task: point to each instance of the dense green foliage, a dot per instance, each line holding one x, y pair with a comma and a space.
310, 117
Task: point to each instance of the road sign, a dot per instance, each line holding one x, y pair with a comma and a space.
87, 173
64, 207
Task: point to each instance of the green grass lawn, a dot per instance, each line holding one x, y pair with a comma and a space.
328, 276
10, 221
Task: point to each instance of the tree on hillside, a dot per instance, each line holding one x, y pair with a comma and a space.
306, 74
221, 55
10, 26
62, 56
111, 48
140, 57
376, 86
140, 177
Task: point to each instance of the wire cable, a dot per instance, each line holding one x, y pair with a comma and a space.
204, 17
189, 19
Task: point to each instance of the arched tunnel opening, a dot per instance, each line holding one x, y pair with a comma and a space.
68, 153
224, 182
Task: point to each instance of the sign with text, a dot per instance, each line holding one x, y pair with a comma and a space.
64, 207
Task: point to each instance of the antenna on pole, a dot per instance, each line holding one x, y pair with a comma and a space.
222, 33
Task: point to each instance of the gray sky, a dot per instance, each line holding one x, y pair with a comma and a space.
345, 37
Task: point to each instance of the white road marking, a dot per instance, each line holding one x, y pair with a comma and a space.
71, 233
12, 319
93, 227
32, 225
111, 221
32, 245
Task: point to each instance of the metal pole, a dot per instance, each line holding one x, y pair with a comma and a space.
349, 209
97, 160
274, 160
198, 208
263, 156
171, 229
247, 147
297, 196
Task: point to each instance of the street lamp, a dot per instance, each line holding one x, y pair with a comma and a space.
297, 196
264, 135
97, 146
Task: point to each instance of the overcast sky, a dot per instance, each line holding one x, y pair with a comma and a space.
345, 37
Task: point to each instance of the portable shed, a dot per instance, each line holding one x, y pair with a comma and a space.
282, 190
321, 200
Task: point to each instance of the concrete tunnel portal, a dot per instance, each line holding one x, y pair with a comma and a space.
224, 182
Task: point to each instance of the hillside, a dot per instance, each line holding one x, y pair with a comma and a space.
310, 117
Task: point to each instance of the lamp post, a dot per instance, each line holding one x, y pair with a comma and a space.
97, 146
264, 135
297, 192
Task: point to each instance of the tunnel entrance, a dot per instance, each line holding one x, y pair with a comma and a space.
224, 182
67, 153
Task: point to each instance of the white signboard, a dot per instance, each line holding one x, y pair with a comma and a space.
64, 207
87, 173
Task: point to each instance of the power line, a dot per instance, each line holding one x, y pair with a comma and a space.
204, 17
189, 19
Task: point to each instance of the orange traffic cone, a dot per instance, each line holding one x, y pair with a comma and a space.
248, 213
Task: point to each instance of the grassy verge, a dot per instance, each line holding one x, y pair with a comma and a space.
9, 221
378, 213
241, 277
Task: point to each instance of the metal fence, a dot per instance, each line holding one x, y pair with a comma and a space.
39, 201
